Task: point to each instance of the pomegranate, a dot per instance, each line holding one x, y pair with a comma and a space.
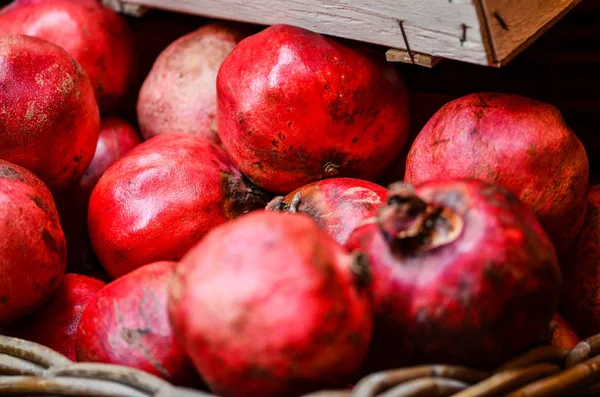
116, 139
159, 200
580, 301
55, 323
515, 142
32, 247
296, 107
49, 116
270, 305
127, 323
561, 333
337, 205
462, 272
179, 94
96, 37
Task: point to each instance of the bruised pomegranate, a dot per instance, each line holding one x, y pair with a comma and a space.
32, 247
179, 94
55, 323
296, 107
48, 113
462, 272
270, 305
515, 142
127, 323
580, 302
159, 200
95, 36
337, 205
116, 139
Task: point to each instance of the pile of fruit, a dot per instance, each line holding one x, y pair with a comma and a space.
277, 226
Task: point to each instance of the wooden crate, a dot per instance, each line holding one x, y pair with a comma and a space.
485, 32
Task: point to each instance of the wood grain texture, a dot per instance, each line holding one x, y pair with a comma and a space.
442, 28
514, 24
395, 55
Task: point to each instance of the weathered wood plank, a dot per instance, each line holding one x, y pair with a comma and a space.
396, 55
442, 28
513, 24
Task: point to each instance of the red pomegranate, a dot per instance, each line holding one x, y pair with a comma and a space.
49, 116
159, 200
462, 273
337, 205
116, 139
95, 36
270, 305
296, 107
55, 323
515, 142
32, 247
127, 323
580, 301
180, 92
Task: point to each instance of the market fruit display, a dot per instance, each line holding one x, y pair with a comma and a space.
127, 323
337, 205
98, 38
155, 203
462, 271
32, 248
580, 300
254, 324
50, 119
180, 93
55, 323
296, 107
515, 142
268, 211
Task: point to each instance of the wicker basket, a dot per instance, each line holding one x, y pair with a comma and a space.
32, 369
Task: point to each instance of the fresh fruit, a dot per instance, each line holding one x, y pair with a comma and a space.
116, 139
179, 94
127, 323
580, 301
462, 273
268, 304
561, 333
337, 205
296, 107
55, 323
98, 38
159, 200
32, 247
515, 142
48, 113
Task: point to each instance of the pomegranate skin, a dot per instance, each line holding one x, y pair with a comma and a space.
55, 323
127, 323
515, 142
337, 205
472, 285
98, 38
257, 325
180, 94
116, 139
32, 246
561, 333
307, 107
50, 119
580, 301
159, 200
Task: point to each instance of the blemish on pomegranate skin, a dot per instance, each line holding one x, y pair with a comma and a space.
49, 241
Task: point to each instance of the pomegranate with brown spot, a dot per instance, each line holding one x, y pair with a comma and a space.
463, 273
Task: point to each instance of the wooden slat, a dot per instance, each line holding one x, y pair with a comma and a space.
396, 55
442, 28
